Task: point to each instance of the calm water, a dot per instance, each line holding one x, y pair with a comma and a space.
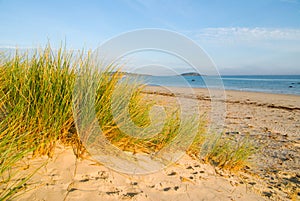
279, 84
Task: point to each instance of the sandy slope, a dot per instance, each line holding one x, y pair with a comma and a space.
188, 179
272, 122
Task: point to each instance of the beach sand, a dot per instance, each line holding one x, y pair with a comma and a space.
188, 179
272, 122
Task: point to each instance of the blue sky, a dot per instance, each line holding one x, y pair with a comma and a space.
241, 37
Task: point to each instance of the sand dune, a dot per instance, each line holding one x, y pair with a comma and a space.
188, 179
272, 122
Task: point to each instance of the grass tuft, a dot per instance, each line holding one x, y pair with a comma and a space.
36, 113
230, 154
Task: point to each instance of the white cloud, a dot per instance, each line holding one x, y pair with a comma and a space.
15, 47
237, 34
236, 49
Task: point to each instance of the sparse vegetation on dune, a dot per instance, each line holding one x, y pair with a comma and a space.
230, 154
36, 94
226, 152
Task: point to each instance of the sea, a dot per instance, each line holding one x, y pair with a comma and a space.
277, 84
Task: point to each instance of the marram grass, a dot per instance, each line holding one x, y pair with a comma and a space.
35, 98
36, 113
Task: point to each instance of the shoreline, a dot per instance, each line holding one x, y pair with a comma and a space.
237, 90
234, 90
281, 84
288, 101
229, 90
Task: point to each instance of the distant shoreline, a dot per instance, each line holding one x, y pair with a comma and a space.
281, 101
262, 84
228, 90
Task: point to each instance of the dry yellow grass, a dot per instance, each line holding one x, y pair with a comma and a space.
36, 113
